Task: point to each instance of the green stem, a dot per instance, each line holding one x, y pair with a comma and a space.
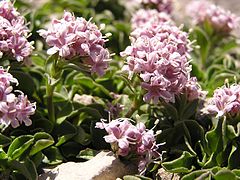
135, 105
131, 110
50, 105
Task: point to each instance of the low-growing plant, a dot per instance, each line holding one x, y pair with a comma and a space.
170, 92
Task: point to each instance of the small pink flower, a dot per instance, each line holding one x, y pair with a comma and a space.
157, 89
75, 37
9, 111
24, 110
6, 78
193, 90
20, 47
7, 10
148, 139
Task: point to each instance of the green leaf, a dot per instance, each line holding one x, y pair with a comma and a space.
189, 109
204, 43
87, 154
42, 140
37, 159
51, 67
19, 146
195, 130
197, 72
44, 125
3, 158
4, 140
200, 174
236, 172
52, 156
183, 164
225, 174
214, 138
38, 59
70, 149
171, 111
211, 161
234, 158
229, 46
231, 133
26, 168
82, 137
128, 177
26, 83
88, 84
126, 81
94, 113
143, 177
65, 132
3, 155
64, 109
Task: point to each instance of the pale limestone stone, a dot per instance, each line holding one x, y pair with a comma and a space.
164, 175
104, 166
83, 99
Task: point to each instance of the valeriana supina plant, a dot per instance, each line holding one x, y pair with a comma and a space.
160, 5
74, 42
13, 33
129, 140
220, 19
149, 17
73, 37
14, 110
159, 55
225, 101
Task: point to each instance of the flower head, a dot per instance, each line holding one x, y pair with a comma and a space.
75, 37
149, 17
127, 139
220, 19
159, 54
8, 11
14, 110
225, 100
13, 33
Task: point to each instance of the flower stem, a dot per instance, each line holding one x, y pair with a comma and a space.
50, 105
135, 105
131, 110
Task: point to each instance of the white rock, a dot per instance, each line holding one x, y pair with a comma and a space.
104, 166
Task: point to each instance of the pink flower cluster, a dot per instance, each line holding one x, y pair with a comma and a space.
161, 5
13, 33
159, 55
220, 19
126, 138
225, 100
14, 110
149, 17
75, 37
